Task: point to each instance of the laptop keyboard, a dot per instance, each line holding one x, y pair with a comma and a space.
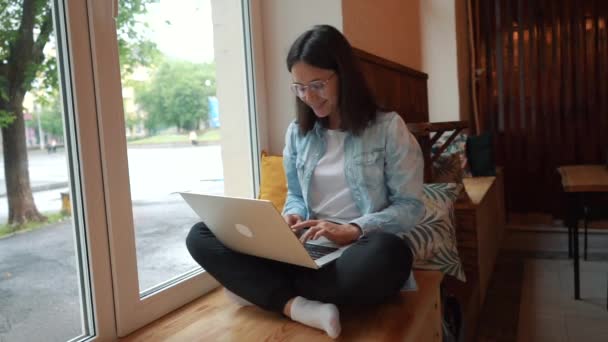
316, 251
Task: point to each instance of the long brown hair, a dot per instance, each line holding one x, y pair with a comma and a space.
325, 47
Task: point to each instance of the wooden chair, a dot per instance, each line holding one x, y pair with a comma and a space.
428, 133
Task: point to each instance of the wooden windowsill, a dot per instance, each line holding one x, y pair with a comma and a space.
410, 317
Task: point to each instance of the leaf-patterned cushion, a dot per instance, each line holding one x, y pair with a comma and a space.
433, 240
447, 169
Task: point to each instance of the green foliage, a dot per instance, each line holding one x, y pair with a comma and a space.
13, 41
50, 114
6, 118
132, 120
26, 29
41, 76
134, 47
10, 18
46, 83
51, 118
177, 95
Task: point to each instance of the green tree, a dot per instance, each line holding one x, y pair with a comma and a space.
26, 27
177, 95
131, 121
51, 119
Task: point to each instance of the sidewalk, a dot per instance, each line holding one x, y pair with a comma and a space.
174, 144
49, 176
37, 186
39, 274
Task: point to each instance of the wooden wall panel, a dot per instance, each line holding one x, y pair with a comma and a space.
396, 87
543, 91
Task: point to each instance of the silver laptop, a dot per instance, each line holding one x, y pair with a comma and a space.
255, 227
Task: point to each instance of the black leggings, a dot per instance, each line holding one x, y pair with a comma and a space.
368, 272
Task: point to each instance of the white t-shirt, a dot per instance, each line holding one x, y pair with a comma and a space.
330, 196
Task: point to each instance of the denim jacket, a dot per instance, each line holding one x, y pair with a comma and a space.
383, 168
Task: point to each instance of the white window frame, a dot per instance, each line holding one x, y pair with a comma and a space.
86, 183
131, 311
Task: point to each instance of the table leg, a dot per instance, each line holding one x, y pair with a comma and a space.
569, 225
586, 224
575, 210
569, 220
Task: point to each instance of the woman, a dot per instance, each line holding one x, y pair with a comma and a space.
354, 175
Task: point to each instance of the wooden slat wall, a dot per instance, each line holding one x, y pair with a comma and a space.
543, 91
396, 87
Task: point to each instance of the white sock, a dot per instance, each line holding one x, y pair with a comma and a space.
236, 298
317, 315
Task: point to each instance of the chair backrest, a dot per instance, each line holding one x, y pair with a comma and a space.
428, 133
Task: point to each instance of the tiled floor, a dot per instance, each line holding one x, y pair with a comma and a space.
518, 239
548, 311
530, 296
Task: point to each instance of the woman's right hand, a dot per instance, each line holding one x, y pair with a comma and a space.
292, 219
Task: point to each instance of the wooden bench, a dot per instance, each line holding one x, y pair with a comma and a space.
480, 222
413, 316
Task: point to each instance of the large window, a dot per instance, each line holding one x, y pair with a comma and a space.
125, 106
172, 95
173, 129
44, 261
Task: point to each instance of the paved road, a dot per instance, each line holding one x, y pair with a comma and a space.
154, 173
45, 168
38, 272
39, 278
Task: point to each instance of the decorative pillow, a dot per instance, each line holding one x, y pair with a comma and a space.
447, 169
273, 184
452, 165
433, 240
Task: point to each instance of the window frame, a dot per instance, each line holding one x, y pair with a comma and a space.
130, 309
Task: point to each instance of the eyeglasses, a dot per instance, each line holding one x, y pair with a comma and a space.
316, 87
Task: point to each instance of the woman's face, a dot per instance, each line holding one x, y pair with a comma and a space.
317, 87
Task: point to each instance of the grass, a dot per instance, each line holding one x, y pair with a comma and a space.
52, 217
211, 135
207, 136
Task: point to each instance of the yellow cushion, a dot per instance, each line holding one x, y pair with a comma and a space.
273, 184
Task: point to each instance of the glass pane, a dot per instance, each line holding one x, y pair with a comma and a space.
40, 265
172, 119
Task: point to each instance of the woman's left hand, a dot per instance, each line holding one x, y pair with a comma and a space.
342, 234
